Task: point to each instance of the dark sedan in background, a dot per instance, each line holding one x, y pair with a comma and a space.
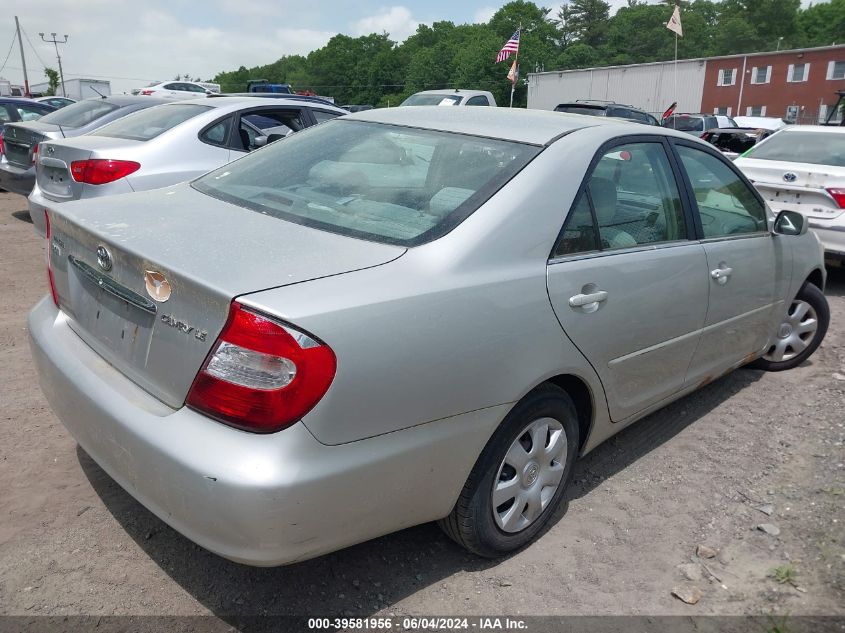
21, 139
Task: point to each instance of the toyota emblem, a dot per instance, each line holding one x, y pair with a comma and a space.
104, 258
789, 177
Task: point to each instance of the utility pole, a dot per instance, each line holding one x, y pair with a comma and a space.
23, 59
59, 57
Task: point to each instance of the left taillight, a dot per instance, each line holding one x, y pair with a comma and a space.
101, 171
50, 277
35, 153
262, 375
2, 147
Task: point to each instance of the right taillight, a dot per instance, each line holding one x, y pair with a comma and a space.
101, 171
52, 281
261, 375
838, 195
2, 147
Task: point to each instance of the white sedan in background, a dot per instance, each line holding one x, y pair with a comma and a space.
176, 90
802, 168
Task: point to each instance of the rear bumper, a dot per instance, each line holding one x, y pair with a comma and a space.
832, 236
37, 205
255, 499
16, 179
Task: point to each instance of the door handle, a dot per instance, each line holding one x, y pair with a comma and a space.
580, 300
721, 275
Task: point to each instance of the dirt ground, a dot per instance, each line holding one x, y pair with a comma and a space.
700, 472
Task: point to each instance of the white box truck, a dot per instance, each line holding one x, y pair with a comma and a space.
81, 88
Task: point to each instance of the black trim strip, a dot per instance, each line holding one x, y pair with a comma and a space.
112, 287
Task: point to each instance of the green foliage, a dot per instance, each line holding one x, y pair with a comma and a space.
578, 34
52, 81
784, 574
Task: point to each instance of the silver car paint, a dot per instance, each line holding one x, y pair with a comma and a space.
471, 309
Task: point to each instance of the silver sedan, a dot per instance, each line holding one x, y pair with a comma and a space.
163, 145
409, 315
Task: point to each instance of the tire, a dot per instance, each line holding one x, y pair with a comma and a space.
800, 332
490, 532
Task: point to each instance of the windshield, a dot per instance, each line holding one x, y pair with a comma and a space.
148, 123
432, 100
817, 148
578, 109
378, 182
80, 113
685, 123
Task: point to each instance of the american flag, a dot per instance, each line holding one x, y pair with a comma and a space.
511, 46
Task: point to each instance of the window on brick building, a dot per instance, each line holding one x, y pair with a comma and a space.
761, 74
727, 77
836, 70
755, 111
798, 72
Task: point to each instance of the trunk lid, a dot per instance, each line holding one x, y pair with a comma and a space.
52, 171
208, 251
21, 138
796, 186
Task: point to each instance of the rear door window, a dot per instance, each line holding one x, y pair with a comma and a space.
634, 200
478, 100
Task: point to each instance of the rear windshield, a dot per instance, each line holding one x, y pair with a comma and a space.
378, 182
578, 109
432, 100
148, 123
80, 113
685, 123
817, 148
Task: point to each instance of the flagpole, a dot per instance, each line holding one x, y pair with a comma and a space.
516, 62
676, 67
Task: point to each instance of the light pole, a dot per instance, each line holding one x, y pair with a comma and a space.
59, 57
780, 39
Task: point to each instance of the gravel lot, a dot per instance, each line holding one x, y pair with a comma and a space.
700, 472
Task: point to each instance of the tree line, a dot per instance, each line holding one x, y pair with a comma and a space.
373, 69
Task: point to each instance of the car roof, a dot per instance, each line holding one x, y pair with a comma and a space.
537, 127
124, 100
835, 129
231, 103
16, 100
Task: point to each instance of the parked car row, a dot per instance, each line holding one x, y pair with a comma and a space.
399, 316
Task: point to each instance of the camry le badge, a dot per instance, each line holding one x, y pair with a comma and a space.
104, 258
789, 177
157, 286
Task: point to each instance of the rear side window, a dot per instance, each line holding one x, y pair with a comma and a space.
81, 113
816, 148
379, 182
633, 198
148, 123
321, 116
726, 205
218, 133
477, 101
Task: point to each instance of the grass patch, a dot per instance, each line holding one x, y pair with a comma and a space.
784, 574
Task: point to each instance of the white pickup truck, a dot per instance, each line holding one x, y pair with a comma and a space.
456, 97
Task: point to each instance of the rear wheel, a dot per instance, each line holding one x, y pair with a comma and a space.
520, 476
800, 332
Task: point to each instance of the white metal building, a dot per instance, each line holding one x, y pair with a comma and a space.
650, 87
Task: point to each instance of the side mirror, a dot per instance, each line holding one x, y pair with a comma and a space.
260, 141
274, 137
791, 223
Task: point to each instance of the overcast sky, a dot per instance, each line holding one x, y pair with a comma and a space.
135, 43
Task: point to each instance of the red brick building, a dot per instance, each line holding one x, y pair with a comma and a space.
798, 85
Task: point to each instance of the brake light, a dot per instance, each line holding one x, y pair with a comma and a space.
100, 171
53, 292
2, 147
34, 153
839, 196
146, 92
261, 375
